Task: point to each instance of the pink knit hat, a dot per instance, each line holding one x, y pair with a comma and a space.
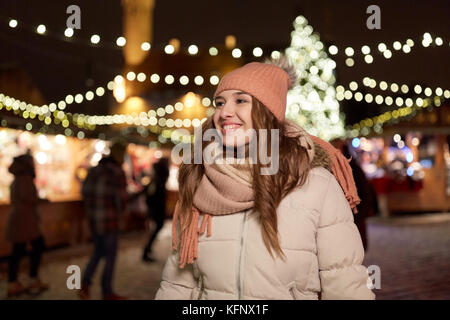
266, 82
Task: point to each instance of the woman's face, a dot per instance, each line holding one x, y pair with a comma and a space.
232, 117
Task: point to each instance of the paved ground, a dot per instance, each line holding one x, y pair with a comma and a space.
413, 254
133, 277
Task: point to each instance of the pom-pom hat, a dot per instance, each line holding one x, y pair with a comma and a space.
267, 82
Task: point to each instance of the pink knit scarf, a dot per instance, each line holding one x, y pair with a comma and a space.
220, 194
217, 194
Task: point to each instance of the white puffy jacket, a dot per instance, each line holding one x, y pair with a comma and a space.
322, 245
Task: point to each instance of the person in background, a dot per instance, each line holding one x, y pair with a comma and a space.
23, 226
367, 206
104, 193
155, 193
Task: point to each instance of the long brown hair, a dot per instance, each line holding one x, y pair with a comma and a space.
269, 190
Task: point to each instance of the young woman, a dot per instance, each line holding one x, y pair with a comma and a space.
285, 235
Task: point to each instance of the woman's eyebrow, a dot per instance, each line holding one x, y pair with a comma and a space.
234, 94
240, 92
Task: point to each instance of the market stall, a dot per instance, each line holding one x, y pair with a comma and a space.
62, 164
408, 171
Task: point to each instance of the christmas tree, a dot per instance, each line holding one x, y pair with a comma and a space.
312, 102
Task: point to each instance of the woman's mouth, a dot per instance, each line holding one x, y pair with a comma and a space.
230, 128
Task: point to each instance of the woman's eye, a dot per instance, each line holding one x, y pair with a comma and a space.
218, 104
241, 101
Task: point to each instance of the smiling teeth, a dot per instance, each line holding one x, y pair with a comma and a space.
230, 126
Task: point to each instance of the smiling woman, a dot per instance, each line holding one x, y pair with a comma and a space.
285, 235
233, 116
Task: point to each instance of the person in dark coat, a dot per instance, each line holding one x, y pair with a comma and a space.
368, 203
105, 195
155, 194
23, 226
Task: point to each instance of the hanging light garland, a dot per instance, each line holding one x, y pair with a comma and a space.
169, 79
352, 93
64, 120
368, 53
29, 111
96, 40
383, 49
151, 118
113, 85
376, 123
394, 87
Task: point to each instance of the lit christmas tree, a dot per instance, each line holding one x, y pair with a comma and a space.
312, 102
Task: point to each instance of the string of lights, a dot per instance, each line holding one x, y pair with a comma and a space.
394, 87
49, 114
364, 127
62, 119
29, 111
170, 79
95, 40
368, 53
385, 51
156, 117
117, 86
352, 93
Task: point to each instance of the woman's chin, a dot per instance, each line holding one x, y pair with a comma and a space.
233, 144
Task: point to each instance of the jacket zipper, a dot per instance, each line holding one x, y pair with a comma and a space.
202, 286
240, 256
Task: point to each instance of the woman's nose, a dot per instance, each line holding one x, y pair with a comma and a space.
227, 110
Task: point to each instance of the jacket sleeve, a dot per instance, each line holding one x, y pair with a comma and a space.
176, 283
340, 249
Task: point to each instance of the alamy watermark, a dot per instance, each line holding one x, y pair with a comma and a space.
374, 20
74, 280
74, 20
374, 279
